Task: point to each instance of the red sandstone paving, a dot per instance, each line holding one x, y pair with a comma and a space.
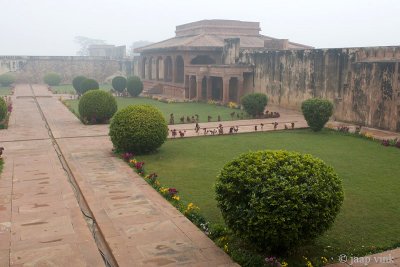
40, 221
139, 225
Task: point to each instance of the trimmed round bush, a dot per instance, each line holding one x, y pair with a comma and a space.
3, 109
254, 103
76, 83
89, 84
52, 78
7, 79
134, 86
317, 112
97, 106
138, 129
278, 199
119, 83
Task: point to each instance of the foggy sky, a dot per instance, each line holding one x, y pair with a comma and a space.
48, 27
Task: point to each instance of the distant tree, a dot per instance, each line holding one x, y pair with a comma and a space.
52, 78
6, 79
76, 83
119, 83
137, 44
84, 43
134, 86
88, 84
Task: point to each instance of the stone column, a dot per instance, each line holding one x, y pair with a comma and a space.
199, 86
209, 88
225, 90
240, 89
190, 86
173, 58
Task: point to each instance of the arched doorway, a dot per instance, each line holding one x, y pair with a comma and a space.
192, 87
204, 88
159, 69
233, 90
168, 69
179, 69
217, 87
144, 63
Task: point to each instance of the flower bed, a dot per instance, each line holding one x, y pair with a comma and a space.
171, 194
358, 133
221, 236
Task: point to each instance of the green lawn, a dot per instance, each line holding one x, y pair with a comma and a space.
5, 90
369, 219
178, 109
69, 89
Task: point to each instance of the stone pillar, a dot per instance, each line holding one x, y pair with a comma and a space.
240, 89
199, 87
173, 58
225, 90
190, 86
209, 88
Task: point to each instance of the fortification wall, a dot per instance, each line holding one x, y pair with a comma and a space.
32, 69
363, 83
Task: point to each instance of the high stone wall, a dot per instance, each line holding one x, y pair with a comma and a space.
363, 83
31, 69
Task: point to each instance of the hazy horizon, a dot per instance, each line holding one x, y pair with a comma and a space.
48, 28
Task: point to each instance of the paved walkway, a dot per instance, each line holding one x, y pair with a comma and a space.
41, 223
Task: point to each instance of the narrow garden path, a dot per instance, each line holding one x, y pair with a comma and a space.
57, 170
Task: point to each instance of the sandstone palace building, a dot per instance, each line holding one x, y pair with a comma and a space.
201, 61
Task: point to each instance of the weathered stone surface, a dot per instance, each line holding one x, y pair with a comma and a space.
363, 83
33, 68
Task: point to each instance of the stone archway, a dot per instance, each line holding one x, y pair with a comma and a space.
192, 87
159, 69
217, 88
144, 63
168, 69
233, 90
179, 69
204, 88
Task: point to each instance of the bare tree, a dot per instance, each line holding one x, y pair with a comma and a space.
85, 42
135, 45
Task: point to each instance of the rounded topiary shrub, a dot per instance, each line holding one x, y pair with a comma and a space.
7, 79
96, 106
3, 109
88, 84
52, 78
119, 83
278, 199
138, 129
317, 112
76, 83
134, 86
254, 103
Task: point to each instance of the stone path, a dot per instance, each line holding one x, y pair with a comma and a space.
41, 223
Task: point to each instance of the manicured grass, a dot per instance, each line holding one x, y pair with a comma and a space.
5, 90
69, 89
178, 109
370, 172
